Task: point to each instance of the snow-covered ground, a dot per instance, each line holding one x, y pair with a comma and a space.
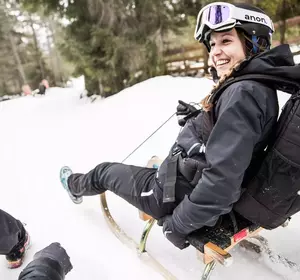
41, 134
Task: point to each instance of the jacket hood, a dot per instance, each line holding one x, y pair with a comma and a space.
277, 62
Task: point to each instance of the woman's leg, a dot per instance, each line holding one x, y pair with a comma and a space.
137, 185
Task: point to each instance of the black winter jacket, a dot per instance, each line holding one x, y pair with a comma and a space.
43, 269
245, 115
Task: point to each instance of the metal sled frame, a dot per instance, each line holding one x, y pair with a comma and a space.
212, 244
140, 248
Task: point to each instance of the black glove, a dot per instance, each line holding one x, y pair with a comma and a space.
173, 236
57, 253
183, 110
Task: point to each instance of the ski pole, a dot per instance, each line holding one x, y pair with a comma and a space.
149, 137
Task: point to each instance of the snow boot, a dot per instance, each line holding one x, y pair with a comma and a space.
65, 173
16, 256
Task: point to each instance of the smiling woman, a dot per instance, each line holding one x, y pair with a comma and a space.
227, 49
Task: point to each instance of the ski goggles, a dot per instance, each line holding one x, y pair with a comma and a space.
220, 16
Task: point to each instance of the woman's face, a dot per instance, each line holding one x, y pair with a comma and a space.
226, 50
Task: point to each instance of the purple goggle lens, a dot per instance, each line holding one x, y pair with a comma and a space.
217, 14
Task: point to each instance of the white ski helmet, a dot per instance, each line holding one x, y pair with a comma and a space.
256, 26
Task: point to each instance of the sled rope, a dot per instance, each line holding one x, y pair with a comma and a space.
149, 137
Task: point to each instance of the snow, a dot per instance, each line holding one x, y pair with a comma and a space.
41, 134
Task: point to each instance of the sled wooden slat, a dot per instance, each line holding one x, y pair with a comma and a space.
223, 234
144, 216
213, 243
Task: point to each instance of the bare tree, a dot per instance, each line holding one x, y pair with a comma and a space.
54, 55
17, 58
38, 52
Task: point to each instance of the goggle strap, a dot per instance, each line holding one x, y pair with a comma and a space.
251, 16
254, 43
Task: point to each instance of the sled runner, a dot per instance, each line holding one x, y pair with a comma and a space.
212, 243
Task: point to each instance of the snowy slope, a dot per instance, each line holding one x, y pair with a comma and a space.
40, 134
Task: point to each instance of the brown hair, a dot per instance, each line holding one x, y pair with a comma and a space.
206, 103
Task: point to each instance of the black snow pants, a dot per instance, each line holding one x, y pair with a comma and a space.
11, 231
137, 185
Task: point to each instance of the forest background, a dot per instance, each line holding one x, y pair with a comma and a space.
113, 43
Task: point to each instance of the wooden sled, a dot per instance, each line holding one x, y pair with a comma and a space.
212, 243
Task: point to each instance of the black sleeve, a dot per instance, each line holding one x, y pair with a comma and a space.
241, 114
42, 269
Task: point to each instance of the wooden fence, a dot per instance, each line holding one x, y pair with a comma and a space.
194, 65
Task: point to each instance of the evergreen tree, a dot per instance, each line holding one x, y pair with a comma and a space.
116, 43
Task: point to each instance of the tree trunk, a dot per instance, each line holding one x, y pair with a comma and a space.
100, 86
58, 74
51, 58
283, 15
282, 30
37, 50
17, 59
